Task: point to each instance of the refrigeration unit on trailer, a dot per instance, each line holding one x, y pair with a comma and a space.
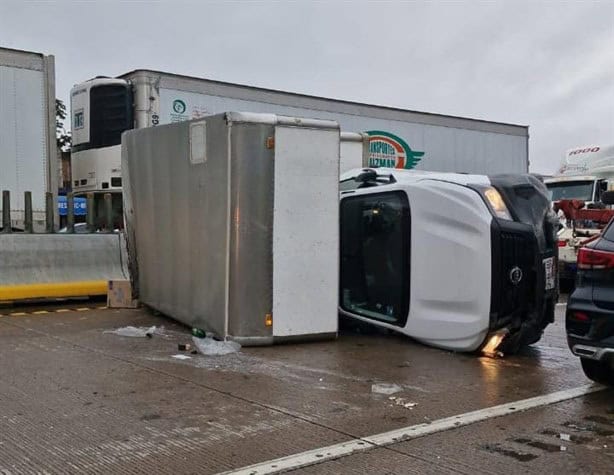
461, 262
233, 224
28, 153
101, 109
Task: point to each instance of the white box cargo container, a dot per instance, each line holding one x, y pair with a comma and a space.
398, 138
235, 223
28, 154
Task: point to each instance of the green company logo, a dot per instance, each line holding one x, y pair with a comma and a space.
388, 150
179, 106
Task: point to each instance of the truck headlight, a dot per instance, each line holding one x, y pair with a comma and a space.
497, 205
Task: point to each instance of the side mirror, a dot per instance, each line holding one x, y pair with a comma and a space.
366, 175
607, 197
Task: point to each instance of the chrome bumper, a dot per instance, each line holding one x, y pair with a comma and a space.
593, 352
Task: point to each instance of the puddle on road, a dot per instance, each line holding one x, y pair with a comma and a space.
519, 456
588, 428
593, 424
536, 444
600, 420
577, 439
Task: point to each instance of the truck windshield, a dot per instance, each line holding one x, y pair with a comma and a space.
571, 190
375, 242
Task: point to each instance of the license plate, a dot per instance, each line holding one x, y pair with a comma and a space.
549, 273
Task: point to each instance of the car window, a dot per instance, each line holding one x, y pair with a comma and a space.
608, 232
571, 190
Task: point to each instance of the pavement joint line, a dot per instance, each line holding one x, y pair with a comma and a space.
385, 439
363, 443
269, 407
50, 312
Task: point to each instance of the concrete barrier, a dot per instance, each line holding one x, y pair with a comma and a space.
34, 266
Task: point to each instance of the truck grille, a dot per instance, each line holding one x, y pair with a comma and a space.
517, 251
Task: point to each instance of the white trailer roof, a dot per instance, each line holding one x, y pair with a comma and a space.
16, 58
240, 91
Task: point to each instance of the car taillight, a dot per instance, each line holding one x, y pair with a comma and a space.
562, 243
592, 259
580, 316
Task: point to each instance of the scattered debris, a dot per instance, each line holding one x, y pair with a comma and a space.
385, 388
136, 332
399, 401
198, 333
565, 437
210, 347
184, 347
563, 448
181, 357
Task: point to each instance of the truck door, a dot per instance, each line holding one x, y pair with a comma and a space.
375, 256
600, 187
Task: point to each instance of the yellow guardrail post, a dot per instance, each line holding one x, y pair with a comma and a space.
108, 212
27, 212
70, 213
49, 212
6, 211
89, 216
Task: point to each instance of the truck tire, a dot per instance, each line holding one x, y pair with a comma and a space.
598, 371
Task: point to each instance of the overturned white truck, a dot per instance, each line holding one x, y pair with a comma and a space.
462, 262
233, 227
233, 224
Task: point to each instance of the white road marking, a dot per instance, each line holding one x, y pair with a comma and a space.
316, 456
561, 304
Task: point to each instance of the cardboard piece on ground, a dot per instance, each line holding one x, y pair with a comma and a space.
119, 295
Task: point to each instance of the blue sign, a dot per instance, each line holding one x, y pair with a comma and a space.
80, 206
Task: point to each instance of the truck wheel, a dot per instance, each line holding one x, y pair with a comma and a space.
598, 371
534, 337
511, 344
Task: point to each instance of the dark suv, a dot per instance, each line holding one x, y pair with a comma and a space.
590, 309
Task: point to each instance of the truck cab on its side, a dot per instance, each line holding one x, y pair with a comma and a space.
460, 262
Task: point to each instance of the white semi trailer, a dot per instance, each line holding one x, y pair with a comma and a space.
28, 154
102, 108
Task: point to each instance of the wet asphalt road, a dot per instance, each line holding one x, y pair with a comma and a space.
76, 399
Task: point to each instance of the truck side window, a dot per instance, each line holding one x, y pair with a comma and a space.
349, 184
602, 186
